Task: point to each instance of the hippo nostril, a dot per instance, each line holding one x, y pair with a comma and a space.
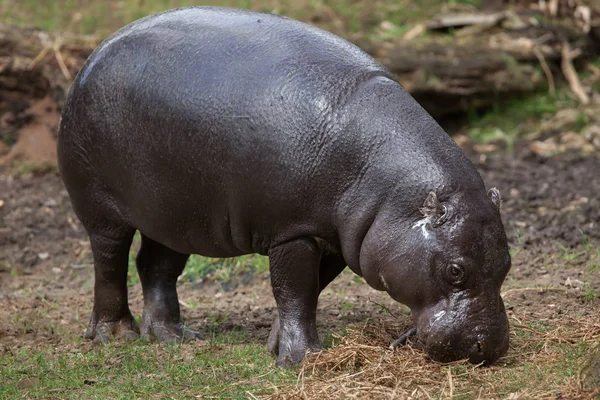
477, 353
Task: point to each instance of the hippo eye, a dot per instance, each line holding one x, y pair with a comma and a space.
455, 273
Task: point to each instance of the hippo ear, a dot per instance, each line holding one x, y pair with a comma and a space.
432, 206
495, 197
434, 210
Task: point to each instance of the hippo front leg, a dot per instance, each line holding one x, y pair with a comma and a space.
294, 268
330, 267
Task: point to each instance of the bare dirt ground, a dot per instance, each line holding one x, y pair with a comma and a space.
551, 213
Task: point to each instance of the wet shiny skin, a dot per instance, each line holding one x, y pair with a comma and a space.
224, 132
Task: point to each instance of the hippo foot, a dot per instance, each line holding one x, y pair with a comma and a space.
106, 331
169, 333
289, 354
293, 357
403, 339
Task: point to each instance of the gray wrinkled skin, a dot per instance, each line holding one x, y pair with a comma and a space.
224, 132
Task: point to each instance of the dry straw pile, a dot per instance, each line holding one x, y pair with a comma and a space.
360, 366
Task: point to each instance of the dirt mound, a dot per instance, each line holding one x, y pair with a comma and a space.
34, 130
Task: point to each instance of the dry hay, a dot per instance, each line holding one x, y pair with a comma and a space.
360, 365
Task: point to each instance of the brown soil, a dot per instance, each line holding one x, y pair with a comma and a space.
551, 212
36, 141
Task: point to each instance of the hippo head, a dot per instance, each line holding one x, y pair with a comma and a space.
448, 267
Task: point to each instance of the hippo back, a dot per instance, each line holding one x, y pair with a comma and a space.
237, 123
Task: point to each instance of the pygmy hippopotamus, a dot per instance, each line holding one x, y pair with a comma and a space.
224, 132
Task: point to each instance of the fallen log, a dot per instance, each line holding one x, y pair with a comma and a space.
464, 19
34, 62
36, 68
493, 55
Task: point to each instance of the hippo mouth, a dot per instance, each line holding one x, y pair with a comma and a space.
478, 348
446, 337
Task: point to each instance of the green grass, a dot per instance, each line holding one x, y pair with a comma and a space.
592, 249
516, 118
568, 256
519, 117
587, 73
199, 268
473, 3
516, 249
222, 366
594, 265
590, 294
35, 167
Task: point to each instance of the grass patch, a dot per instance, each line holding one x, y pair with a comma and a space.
594, 265
472, 3
518, 117
590, 294
570, 256
36, 168
216, 269
545, 360
516, 248
200, 268
522, 117
221, 366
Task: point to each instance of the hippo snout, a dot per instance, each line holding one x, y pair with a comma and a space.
480, 339
480, 348
484, 350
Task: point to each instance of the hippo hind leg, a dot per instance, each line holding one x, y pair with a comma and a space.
330, 267
159, 267
110, 242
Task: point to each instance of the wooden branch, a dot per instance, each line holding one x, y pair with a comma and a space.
547, 71
571, 74
464, 19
